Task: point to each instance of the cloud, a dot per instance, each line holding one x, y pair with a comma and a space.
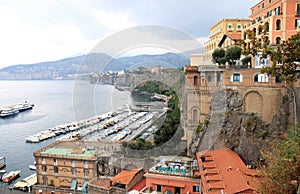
34, 31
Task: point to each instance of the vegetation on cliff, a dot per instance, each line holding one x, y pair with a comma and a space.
170, 129
282, 169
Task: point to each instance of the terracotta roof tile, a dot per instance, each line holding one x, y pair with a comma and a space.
216, 185
139, 186
125, 176
235, 175
213, 178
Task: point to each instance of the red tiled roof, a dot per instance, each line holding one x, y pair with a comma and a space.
216, 185
211, 171
234, 36
139, 186
213, 178
125, 176
236, 177
209, 165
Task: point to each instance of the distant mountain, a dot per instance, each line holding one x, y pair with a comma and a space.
90, 63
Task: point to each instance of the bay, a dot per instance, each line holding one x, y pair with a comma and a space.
56, 103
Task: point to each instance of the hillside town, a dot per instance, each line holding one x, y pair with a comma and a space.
231, 107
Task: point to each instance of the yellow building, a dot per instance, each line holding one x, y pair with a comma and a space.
67, 166
232, 28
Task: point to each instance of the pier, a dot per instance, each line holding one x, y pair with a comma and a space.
128, 123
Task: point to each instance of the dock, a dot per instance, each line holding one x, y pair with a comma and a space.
126, 123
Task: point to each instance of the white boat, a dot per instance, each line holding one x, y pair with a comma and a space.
8, 111
32, 167
24, 106
27, 182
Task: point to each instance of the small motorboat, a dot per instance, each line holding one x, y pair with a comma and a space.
10, 176
32, 167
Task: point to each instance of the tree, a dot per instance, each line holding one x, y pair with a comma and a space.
233, 54
281, 174
256, 44
288, 55
246, 60
218, 55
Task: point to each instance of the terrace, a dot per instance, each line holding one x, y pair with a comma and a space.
176, 166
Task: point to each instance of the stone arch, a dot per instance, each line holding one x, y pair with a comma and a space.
253, 102
195, 114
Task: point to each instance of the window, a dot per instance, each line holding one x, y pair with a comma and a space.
297, 23
263, 5
73, 171
258, 8
195, 115
86, 165
277, 40
55, 169
158, 188
73, 163
195, 80
229, 27
44, 168
55, 161
209, 78
43, 161
239, 28
196, 188
219, 77
270, 1
277, 79
261, 78
267, 26
277, 10
236, 77
298, 10
278, 24
269, 13
86, 173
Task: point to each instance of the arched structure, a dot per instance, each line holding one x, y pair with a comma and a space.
253, 102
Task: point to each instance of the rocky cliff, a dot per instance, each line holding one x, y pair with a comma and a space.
245, 133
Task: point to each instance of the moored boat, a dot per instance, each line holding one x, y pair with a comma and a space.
8, 111
24, 106
27, 182
10, 176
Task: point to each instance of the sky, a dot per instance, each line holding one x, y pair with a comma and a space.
36, 31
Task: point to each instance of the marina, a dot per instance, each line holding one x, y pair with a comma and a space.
121, 124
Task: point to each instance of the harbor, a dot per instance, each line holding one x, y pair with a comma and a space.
127, 123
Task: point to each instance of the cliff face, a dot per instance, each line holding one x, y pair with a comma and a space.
245, 133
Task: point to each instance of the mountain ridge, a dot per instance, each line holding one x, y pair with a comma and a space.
90, 63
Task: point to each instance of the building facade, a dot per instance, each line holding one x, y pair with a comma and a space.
229, 27
279, 18
63, 168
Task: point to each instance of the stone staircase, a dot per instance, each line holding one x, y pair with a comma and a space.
218, 111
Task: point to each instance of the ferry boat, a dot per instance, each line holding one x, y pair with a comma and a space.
8, 111
24, 106
10, 176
